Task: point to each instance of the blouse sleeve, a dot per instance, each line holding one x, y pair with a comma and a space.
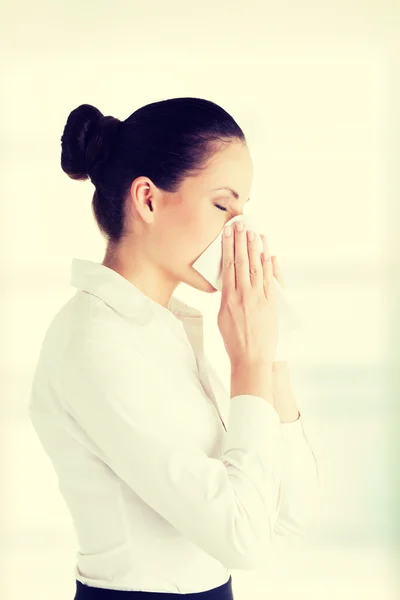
300, 487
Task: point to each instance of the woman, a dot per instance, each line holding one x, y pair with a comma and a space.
164, 496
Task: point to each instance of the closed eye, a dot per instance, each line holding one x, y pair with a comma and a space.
220, 207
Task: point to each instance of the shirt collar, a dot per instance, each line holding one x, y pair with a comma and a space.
119, 293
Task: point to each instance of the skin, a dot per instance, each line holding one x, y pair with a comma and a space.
285, 402
167, 232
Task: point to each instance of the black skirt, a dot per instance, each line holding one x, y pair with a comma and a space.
86, 592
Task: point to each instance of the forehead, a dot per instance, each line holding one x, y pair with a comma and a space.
233, 160
230, 166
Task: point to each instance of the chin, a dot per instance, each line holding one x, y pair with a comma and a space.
197, 281
204, 286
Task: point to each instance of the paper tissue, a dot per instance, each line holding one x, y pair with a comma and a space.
209, 264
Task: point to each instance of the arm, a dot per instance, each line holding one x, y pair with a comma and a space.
282, 391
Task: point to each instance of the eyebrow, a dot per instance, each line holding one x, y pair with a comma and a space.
234, 194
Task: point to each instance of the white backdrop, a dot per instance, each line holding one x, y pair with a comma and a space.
314, 88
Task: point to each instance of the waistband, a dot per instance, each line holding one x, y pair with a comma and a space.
86, 592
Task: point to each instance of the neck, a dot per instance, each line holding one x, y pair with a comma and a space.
147, 276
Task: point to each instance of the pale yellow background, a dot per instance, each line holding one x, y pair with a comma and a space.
314, 86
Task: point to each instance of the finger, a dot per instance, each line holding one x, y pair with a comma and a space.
241, 259
228, 262
255, 263
277, 271
267, 268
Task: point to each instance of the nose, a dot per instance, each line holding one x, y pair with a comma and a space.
234, 214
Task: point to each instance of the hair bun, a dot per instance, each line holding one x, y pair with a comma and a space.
87, 141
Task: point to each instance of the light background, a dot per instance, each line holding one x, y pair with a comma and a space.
315, 88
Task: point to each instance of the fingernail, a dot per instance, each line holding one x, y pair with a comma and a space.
239, 226
228, 231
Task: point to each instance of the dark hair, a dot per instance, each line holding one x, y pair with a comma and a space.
166, 141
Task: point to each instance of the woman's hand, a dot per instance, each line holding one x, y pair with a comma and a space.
277, 272
283, 396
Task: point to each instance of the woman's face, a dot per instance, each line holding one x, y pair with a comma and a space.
183, 224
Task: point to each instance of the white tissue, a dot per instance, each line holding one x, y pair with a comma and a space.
209, 264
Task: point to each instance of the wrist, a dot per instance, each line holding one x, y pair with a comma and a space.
251, 366
253, 379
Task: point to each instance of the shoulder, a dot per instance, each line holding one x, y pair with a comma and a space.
104, 347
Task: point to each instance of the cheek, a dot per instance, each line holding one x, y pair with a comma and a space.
200, 232
199, 238
188, 234
179, 238
193, 227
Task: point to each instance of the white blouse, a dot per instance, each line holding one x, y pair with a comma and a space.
170, 483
